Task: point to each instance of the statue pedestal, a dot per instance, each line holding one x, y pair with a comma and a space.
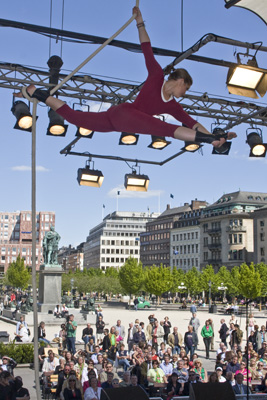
49, 287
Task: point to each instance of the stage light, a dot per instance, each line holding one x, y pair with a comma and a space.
137, 183
255, 142
223, 150
89, 177
23, 115
128, 139
158, 142
83, 132
191, 146
56, 126
246, 80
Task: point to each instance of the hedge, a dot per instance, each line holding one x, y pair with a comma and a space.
21, 353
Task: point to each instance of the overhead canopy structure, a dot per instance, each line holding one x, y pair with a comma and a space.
258, 7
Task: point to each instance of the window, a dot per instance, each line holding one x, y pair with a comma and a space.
261, 223
262, 251
192, 235
262, 236
206, 254
196, 235
240, 238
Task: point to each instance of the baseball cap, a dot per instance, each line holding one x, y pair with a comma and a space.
220, 368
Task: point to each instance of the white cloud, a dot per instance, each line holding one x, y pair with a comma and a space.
23, 168
128, 194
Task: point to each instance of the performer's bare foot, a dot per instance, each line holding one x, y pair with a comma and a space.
30, 89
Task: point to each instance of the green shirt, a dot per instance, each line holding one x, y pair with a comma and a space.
70, 331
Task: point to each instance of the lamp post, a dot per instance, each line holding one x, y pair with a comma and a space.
182, 287
223, 288
209, 294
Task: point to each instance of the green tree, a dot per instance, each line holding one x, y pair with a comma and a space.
192, 281
131, 276
262, 270
208, 275
178, 276
250, 283
112, 272
158, 280
17, 274
235, 279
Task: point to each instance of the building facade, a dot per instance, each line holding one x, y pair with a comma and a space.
260, 235
156, 247
185, 240
115, 239
16, 236
71, 258
227, 229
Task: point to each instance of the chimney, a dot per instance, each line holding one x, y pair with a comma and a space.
168, 207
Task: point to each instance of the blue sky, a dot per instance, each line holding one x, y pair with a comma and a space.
190, 176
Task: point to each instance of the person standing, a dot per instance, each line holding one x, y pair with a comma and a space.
166, 326
195, 323
100, 325
130, 341
223, 332
212, 338
207, 334
193, 309
71, 334
190, 341
175, 341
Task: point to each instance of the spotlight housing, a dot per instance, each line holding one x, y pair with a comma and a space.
56, 126
223, 150
246, 80
191, 147
89, 177
23, 115
135, 182
255, 142
128, 139
85, 133
158, 142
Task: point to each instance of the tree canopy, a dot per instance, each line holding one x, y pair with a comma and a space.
17, 274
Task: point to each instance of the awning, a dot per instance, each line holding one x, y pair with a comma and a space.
258, 7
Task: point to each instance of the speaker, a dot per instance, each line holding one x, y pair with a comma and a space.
211, 391
122, 393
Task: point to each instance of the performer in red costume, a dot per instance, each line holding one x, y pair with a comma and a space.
156, 97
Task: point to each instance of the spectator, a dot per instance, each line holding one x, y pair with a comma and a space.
99, 311
81, 368
8, 364
123, 357
115, 383
233, 366
219, 372
173, 387
166, 326
62, 336
108, 383
213, 378
6, 390
139, 336
126, 379
21, 322
157, 335
20, 391
230, 378
223, 331
120, 328
93, 392
22, 335
71, 334
130, 340
49, 365
87, 334
155, 375
190, 341
207, 334
104, 373
239, 387
57, 311
64, 311
182, 373
166, 366
71, 392
42, 334
243, 370
175, 341
200, 371
192, 378
100, 325
193, 309
95, 354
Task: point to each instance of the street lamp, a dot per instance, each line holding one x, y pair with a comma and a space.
182, 287
209, 294
223, 288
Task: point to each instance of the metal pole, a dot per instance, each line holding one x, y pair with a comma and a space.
34, 294
209, 295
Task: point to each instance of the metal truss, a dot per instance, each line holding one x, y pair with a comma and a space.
89, 88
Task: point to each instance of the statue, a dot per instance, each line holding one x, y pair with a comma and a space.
90, 304
27, 305
50, 246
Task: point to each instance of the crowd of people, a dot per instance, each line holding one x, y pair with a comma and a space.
156, 356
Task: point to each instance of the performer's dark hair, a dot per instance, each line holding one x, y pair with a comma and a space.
181, 73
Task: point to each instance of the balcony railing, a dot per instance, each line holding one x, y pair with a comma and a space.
213, 230
236, 228
214, 245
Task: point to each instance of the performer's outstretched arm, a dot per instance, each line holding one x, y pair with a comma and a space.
143, 35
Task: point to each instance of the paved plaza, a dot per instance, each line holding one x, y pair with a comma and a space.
112, 314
